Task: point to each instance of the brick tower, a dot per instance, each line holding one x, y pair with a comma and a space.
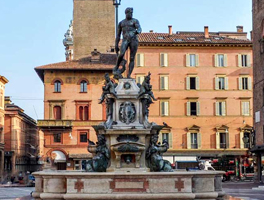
93, 26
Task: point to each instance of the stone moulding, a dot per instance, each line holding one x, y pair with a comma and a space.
61, 185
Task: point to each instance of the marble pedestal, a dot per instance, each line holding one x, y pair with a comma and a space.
62, 185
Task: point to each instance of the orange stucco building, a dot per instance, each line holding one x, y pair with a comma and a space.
203, 82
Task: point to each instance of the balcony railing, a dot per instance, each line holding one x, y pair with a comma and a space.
54, 123
223, 145
194, 146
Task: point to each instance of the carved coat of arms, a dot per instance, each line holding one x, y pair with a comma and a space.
127, 112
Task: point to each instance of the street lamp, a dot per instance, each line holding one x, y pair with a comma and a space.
116, 3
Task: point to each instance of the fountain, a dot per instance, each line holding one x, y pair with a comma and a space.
127, 158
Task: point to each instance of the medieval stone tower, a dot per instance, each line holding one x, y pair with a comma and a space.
93, 26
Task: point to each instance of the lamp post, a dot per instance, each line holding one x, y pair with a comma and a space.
116, 3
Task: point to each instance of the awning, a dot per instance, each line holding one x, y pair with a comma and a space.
60, 157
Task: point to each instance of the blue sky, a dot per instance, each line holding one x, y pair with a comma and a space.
32, 32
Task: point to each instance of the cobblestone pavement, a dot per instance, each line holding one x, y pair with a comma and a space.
16, 193
243, 190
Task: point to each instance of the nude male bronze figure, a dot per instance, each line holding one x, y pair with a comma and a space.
130, 28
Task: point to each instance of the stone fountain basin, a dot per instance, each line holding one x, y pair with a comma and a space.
60, 185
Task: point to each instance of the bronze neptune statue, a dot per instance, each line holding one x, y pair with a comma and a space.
130, 28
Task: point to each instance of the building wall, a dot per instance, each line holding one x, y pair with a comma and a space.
258, 46
177, 94
93, 26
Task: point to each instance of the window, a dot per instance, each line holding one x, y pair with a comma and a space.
83, 86
245, 108
245, 83
193, 139
220, 60
57, 138
57, 112
57, 86
165, 136
163, 59
194, 144
140, 78
164, 82
220, 109
164, 108
193, 108
192, 83
221, 83
83, 113
222, 140
244, 60
83, 137
140, 60
192, 60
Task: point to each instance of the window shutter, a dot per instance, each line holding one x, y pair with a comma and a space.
199, 140
226, 83
224, 108
217, 108
239, 61
198, 108
162, 108
187, 83
141, 60
160, 138
188, 140
196, 60
249, 83
187, 60
216, 60
163, 60
170, 140
248, 60
138, 60
246, 111
243, 108
166, 108
188, 107
197, 79
240, 83
227, 140
216, 83
241, 140
166, 82
217, 137
162, 82
225, 60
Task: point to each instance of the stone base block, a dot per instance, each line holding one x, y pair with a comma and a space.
62, 185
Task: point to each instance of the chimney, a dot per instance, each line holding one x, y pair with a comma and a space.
206, 32
170, 29
239, 29
8, 100
96, 56
151, 31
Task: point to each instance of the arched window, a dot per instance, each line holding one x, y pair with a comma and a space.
83, 85
57, 112
81, 113
57, 86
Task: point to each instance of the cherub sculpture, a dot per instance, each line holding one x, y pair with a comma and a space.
108, 88
146, 88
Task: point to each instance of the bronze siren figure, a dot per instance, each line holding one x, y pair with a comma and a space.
130, 28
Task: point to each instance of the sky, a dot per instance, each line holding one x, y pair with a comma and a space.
32, 32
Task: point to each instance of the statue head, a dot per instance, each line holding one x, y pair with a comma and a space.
154, 139
147, 78
101, 139
129, 13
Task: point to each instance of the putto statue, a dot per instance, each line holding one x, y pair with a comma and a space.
154, 155
108, 88
130, 28
100, 161
146, 88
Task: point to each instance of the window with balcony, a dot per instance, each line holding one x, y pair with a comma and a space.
57, 112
